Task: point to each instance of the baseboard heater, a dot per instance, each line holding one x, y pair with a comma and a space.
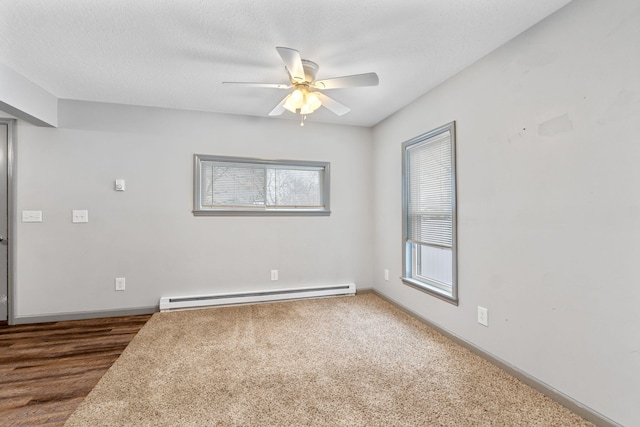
196, 301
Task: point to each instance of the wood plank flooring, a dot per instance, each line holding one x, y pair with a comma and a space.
47, 369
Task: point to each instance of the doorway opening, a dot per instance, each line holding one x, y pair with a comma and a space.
7, 140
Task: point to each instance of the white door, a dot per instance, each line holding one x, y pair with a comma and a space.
4, 247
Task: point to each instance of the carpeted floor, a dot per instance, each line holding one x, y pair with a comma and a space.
350, 361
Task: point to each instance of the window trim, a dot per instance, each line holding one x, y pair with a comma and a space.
198, 210
408, 256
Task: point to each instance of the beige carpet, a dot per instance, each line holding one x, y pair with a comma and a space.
349, 361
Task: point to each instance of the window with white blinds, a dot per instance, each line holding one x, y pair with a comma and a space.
245, 186
429, 215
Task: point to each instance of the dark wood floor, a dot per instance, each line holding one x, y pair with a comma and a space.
47, 369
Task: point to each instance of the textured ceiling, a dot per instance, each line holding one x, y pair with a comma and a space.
176, 53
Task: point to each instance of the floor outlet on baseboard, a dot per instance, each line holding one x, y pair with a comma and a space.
386, 275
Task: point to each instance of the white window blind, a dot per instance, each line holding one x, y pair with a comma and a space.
430, 207
237, 185
232, 185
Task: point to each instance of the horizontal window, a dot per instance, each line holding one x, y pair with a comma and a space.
246, 186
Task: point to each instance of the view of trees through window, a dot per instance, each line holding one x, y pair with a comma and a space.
293, 187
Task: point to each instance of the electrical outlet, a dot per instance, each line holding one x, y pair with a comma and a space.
274, 275
80, 216
483, 316
120, 284
386, 275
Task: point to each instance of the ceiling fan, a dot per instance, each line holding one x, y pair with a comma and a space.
307, 96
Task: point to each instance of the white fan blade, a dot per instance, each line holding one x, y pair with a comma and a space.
333, 105
279, 109
293, 62
367, 79
251, 84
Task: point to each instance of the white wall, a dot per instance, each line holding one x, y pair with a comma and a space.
548, 202
148, 234
26, 100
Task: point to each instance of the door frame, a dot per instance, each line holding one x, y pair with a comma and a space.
11, 215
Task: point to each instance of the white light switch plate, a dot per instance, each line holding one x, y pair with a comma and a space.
120, 185
80, 216
31, 216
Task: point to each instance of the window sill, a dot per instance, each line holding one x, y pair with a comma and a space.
431, 290
261, 213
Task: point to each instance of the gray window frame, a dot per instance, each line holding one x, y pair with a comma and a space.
409, 252
198, 210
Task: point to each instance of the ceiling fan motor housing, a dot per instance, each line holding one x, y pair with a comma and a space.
310, 70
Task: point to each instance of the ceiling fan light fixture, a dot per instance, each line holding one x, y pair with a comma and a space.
289, 104
311, 103
302, 100
296, 99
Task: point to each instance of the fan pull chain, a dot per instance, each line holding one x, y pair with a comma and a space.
304, 117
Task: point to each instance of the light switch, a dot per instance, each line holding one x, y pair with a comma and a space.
120, 185
31, 216
80, 216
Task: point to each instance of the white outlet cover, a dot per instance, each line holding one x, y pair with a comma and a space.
120, 284
483, 316
80, 216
